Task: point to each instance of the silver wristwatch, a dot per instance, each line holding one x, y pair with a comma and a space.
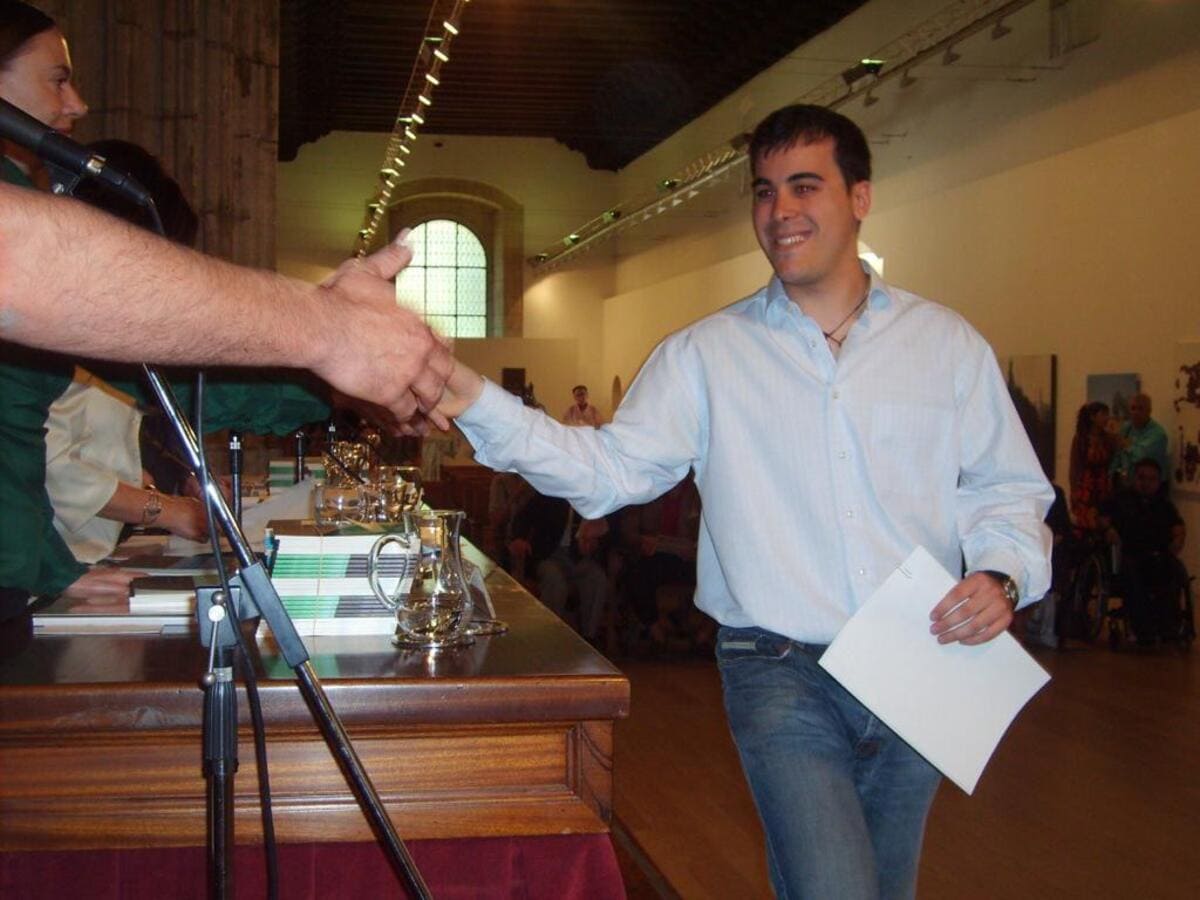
1007, 585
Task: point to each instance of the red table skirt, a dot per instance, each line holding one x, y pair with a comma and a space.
582, 867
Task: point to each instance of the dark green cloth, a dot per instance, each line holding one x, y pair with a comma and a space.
33, 558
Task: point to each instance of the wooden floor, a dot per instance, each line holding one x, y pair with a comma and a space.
1094, 792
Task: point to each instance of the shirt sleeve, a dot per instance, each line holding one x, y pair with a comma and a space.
1003, 496
653, 440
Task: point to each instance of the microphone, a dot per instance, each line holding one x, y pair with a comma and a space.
59, 151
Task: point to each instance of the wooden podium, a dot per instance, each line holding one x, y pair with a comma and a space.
100, 738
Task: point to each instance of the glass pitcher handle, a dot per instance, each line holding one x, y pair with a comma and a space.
404, 583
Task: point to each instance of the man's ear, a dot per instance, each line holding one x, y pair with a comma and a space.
860, 199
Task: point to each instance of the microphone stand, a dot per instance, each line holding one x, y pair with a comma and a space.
221, 699
235, 472
69, 162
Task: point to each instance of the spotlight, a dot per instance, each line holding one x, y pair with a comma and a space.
668, 184
541, 257
612, 215
450, 27
571, 240
861, 69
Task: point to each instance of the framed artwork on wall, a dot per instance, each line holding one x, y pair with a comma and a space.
1115, 390
1033, 385
1185, 460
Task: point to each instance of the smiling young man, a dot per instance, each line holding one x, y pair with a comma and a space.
897, 432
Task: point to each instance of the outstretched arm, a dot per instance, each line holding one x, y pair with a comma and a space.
76, 280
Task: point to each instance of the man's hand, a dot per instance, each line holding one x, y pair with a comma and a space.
374, 349
973, 612
102, 584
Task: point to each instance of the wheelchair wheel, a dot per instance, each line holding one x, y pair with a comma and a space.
1187, 621
1090, 599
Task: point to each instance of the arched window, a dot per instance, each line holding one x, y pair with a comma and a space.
446, 282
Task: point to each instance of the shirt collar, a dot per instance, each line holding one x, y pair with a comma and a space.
879, 294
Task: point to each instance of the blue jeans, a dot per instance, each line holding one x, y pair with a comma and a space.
843, 800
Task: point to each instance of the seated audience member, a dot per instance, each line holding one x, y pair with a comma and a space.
1150, 533
1042, 622
1092, 450
1140, 438
507, 495
581, 412
660, 542
558, 550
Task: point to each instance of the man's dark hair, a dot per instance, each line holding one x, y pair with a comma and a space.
805, 123
579, 387
1147, 463
18, 23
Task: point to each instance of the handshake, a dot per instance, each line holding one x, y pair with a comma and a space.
386, 363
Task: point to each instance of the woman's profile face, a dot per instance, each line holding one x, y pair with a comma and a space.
37, 80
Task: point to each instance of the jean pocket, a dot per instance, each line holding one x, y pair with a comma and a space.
738, 644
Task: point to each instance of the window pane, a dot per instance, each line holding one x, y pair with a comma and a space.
472, 292
439, 291
443, 325
416, 240
440, 244
447, 280
410, 288
472, 326
470, 251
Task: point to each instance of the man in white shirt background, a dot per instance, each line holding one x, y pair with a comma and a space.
895, 430
581, 412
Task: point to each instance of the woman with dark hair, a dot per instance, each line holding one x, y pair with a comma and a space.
35, 75
1092, 450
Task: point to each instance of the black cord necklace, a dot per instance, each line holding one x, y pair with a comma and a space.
829, 335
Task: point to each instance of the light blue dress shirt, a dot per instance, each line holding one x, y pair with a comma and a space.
818, 475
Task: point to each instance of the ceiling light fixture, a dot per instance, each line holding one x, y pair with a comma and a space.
434, 51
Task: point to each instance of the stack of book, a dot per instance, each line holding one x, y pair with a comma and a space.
322, 578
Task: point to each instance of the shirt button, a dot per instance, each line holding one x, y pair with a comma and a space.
842, 454
849, 514
836, 395
862, 571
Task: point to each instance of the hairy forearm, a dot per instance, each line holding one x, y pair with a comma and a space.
121, 293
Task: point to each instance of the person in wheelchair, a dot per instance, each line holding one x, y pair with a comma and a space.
1150, 533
